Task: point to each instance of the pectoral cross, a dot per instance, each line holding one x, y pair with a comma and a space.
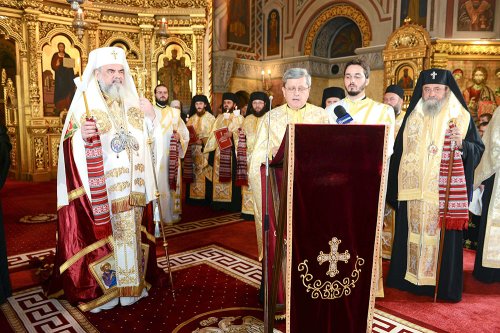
333, 257
433, 74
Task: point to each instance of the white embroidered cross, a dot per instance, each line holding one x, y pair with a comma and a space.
433, 74
333, 257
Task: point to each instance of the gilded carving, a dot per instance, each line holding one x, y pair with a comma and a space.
38, 130
107, 37
410, 35
340, 10
199, 35
186, 38
178, 3
13, 152
54, 147
128, 3
474, 49
47, 27
122, 20
39, 147
57, 11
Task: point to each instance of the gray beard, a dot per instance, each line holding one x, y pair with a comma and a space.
115, 91
432, 106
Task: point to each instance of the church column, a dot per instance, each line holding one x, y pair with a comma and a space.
37, 168
147, 22
199, 34
92, 42
31, 20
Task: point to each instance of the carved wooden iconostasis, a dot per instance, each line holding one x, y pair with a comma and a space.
475, 64
476, 68
41, 53
406, 54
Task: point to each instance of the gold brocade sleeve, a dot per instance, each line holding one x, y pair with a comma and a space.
211, 144
270, 133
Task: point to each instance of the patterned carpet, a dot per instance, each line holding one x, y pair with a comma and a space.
210, 284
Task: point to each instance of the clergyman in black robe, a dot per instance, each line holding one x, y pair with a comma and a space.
413, 187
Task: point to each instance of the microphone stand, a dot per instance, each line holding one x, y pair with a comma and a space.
268, 325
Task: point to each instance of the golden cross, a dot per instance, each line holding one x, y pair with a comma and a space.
114, 54
333, 257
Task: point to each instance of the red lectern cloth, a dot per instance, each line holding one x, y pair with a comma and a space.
334, 175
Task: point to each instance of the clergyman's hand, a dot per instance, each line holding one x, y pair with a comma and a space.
89, 129
147, 108
456, 136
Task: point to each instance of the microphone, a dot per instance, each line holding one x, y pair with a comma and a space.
342, 116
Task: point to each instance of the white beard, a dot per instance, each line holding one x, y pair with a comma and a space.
116, 91
433, 106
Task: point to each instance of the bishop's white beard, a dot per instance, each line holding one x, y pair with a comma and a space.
114, 90
432, 106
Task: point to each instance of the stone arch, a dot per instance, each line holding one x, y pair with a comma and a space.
347, 11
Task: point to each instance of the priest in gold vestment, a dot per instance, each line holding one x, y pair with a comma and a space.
167, 123
364, 110
258, 105
225, 194
296, 110
199, 188
487, 263
417, 180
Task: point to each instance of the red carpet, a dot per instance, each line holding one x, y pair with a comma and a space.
21, 198
477, 312
198, 289
215, 289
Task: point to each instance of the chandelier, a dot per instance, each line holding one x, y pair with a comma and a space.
162, 33
75, 4
78, 23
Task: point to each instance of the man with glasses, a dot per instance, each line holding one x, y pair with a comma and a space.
419, 188
296, 110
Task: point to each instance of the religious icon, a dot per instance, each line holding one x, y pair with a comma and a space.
108, 275
405, 77
58, 71
239, 22
273, 33
476, 15
176, 74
